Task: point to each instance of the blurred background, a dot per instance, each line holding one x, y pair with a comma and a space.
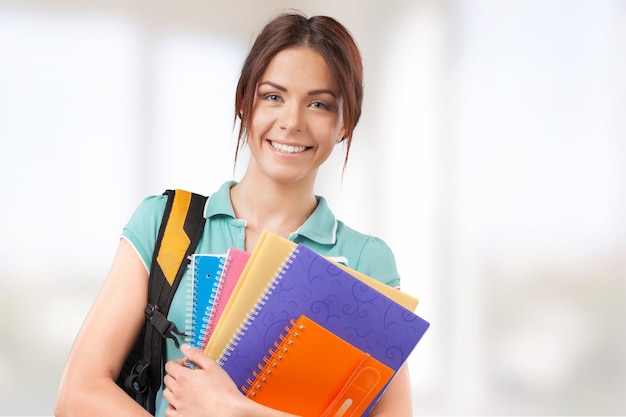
490, 157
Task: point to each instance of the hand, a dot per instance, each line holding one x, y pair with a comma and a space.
204, 391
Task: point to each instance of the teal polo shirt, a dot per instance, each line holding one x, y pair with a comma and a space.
321, 232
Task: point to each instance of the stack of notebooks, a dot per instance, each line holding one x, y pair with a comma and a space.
299, 332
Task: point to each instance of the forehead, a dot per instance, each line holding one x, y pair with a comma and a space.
300, 66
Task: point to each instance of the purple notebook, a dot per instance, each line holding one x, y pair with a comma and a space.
313, 286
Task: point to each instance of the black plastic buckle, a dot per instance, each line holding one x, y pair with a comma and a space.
165, 327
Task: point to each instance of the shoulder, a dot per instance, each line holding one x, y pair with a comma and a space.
368, 254
149, 213
366, 243
143, 226
151, 205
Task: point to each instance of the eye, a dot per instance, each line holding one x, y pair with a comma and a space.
317, 104
275, 98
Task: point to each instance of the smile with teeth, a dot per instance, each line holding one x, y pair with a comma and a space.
280, 147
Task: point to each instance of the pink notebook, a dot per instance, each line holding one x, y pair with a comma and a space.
234, 263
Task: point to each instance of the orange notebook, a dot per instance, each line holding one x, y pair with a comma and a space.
314, 373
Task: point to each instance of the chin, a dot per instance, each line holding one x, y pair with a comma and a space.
289, 178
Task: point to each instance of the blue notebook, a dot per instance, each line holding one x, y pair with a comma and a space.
206, 271
311, 285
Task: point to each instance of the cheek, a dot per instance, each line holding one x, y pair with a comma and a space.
261, 121
334, 133
327, 140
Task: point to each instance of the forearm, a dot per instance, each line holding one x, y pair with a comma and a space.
99, 397
258, 410
396, 400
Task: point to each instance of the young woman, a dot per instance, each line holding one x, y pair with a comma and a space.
299, 94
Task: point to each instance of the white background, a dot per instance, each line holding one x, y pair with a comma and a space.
490, 157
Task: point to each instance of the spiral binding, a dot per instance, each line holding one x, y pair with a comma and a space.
256, 309
287, 341
217, 298
190, 303
196, 321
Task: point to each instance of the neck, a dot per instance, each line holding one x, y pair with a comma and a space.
268, 205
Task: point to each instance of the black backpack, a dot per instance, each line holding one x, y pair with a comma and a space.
142, 373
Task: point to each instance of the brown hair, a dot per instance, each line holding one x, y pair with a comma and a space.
321, 33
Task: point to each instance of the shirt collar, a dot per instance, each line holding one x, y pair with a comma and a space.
219, 202
320, 227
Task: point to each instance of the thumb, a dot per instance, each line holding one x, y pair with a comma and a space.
196, 356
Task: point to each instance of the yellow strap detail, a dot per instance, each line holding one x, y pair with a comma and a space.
175, 241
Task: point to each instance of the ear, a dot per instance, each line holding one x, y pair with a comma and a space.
341, 135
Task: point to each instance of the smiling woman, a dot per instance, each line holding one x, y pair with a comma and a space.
299, 94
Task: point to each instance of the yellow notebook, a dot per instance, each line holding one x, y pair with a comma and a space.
405, 300
266, 261
313, 373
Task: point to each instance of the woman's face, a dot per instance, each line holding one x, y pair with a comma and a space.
296, 118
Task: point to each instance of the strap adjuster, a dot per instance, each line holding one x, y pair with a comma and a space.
162, 325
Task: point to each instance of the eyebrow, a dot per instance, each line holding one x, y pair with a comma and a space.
311, 93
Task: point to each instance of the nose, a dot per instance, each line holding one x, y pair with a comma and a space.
292, 118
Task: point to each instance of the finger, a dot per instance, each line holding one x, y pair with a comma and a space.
171, 366
169, 389
168, 380
175, 366
168, 396
170, 411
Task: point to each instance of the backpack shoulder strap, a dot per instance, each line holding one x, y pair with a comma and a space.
180, 231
